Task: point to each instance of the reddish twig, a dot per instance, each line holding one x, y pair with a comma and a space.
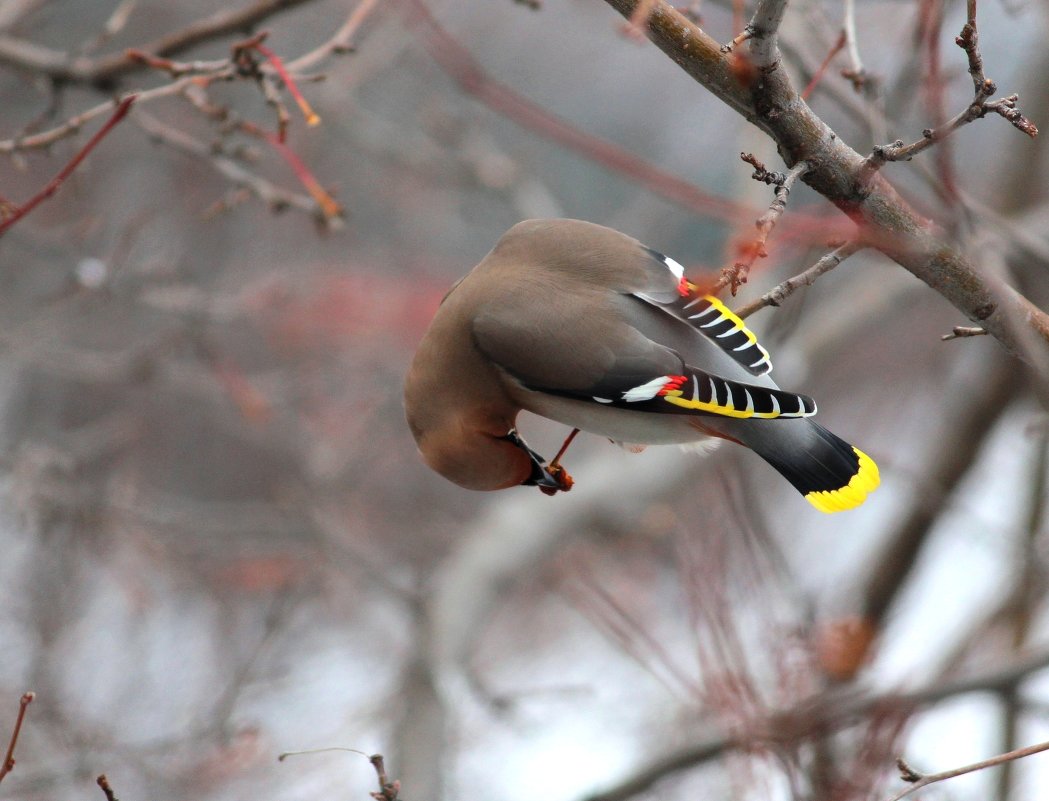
312, 118
454, 59
555, 462
918, 781
121, 111
822, 69
103, 783
278, 199
457, 62
735, 276
328, 206
9, 758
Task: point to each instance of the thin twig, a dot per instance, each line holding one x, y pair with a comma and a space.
980, 107
275, 197
919, 781
341, 42
73, 125
825, 713
176, 69
961, 331
856, 73
735, 276
312, 118
780, 292
114, 25
328, 206
460, 65
9, 759
388, 790
61, 66
52, 186
817, 76
103, 783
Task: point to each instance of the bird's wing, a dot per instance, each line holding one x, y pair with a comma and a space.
671, 290
594, 356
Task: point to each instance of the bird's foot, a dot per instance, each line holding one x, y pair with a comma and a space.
550, 478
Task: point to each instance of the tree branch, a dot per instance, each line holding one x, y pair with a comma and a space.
736, 275
819, 716
52, 186
780, 292
9, 759
919, 781
60, 66
886, 220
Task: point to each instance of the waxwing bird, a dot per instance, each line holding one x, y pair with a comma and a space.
586, 326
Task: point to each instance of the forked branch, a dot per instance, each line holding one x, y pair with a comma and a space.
887, 222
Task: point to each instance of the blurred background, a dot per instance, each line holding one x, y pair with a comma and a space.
218, 542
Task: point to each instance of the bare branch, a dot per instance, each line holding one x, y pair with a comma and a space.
388, 790
457, 62
9, 758
886, 220
52, 186
980, 106
736, 275
961, 331
856, 72
764, 32
341, 42
63, 67
919, 781
73, 125
780, 292
826, 713
275, 197
104, 785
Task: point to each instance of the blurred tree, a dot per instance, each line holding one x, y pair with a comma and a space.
218, 542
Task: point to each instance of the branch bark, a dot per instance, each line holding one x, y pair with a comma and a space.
887, 222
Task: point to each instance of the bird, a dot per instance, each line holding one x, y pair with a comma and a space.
586, 326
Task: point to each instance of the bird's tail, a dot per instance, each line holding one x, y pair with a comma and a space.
832, 474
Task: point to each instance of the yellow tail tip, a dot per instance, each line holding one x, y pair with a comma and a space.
862, 483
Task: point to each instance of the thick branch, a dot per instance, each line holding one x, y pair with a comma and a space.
887, 222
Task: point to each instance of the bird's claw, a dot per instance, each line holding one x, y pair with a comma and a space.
550, 478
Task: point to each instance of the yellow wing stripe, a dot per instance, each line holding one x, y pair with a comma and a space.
725, 314
677, 398
863, 482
